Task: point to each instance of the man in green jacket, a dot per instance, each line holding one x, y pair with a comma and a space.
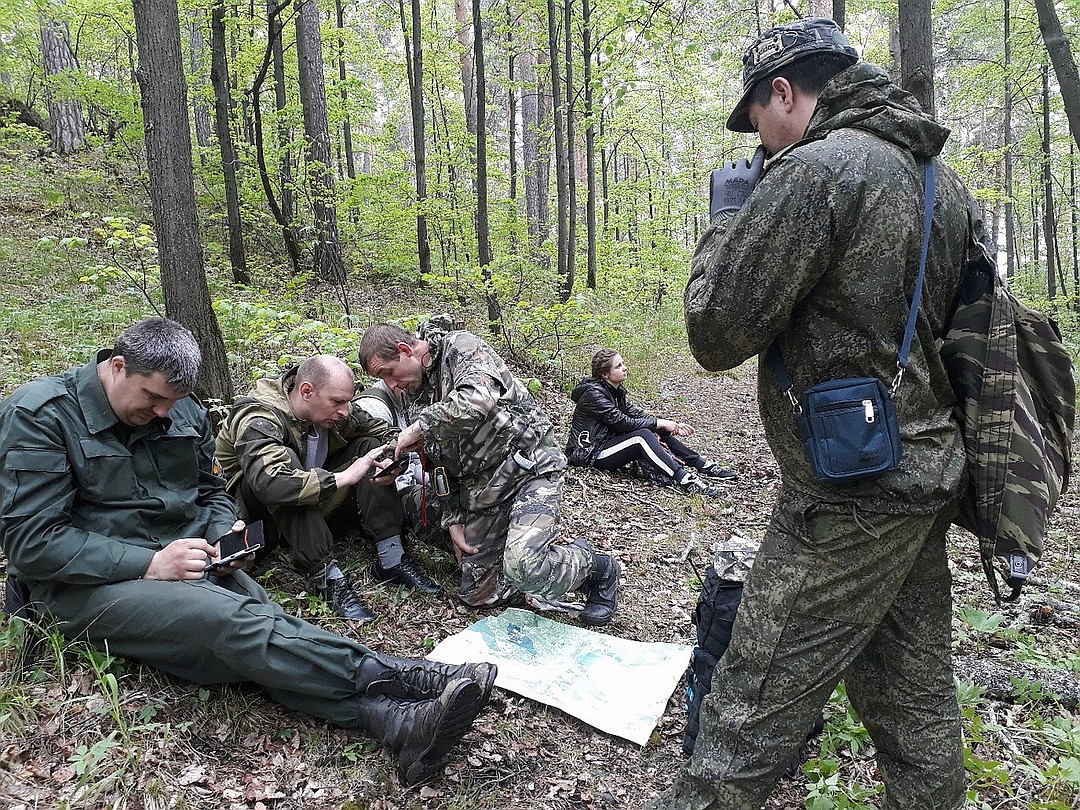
495, 465
821, 257
295, 450
110, 508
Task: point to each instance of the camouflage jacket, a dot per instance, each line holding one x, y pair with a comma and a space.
264, 443
823, 259
481, 423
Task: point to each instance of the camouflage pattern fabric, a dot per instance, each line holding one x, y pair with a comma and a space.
734, 557
808, 264
482, 425
835, 591
1017, 404
852, 582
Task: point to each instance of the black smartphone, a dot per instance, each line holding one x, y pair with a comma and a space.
234, 545
394, 470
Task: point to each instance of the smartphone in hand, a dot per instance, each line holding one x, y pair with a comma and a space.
393, 471
234, 545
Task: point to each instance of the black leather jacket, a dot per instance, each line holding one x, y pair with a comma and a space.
601, 412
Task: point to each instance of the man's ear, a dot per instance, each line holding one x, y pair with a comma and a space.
405, 348
305, 389
118, 365
784, 92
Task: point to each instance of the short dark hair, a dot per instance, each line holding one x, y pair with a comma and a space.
601, 362
381, 341
160, 345
809, 74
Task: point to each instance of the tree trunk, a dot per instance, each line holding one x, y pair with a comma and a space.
219, 78
346, 126
276, 33
1068, 79
65, 111
414, 62
320, 178
571, 157
197, 57
562, 219
999, 682
590, 145
531, 138
512, 111
1049, 231
839, 13
465, 38
163, 94
917, 52
1010, 232
483, 234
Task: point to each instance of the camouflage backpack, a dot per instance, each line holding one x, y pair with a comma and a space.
1016, 394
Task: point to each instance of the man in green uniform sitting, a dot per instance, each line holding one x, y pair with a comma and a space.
110, 506
296, 449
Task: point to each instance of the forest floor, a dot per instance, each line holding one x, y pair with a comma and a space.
99, 733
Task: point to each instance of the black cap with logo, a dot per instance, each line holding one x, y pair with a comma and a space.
779, 47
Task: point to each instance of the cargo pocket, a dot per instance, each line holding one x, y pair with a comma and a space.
107, 473
178, 459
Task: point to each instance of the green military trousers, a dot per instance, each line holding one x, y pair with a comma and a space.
218, 630
518, 552
835, 593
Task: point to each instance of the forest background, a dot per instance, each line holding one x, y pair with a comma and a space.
278, 176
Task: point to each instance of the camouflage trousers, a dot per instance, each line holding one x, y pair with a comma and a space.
835, 592
518, 549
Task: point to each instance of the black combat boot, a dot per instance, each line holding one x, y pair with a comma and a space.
339, 593
417, 678
420, 733
407, 573
601, 588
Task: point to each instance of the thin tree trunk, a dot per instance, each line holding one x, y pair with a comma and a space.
65, 111
219, 78
571, 157
562, 219
346, 126
320, 178
917, 52
590, 145
276, 32
483, 235
465, 38
511, 101
1068, 78
167, 129
1010, 232
197, 57
414, 59
839, 13
1048, 191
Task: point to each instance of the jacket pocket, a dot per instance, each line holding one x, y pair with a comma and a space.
504, 482
28, 472
107, 470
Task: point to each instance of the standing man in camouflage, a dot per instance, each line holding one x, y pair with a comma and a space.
496, 468
820, 253
110, 506
295, 450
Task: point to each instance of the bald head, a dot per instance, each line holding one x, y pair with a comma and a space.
322, 390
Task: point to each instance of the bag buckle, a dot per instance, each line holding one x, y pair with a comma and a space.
796, 408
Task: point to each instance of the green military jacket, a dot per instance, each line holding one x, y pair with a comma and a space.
87, 500
823, 259
481, 423
264, 443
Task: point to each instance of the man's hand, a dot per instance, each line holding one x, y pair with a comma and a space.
358, 469
182, 559
410, 438
731, 185
676, 428
461, 545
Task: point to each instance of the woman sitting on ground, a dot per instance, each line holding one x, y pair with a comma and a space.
608, 432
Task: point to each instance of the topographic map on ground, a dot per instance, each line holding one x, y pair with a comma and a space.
617, 685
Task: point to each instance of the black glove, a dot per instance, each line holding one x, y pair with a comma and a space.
732, 184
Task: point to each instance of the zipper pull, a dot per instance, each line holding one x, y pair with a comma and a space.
868, 410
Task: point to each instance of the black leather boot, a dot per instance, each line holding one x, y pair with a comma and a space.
408, 573
601, 589
420, 733
339, 593
417, 678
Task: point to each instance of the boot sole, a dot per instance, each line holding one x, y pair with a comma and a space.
488, 683
462, 706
